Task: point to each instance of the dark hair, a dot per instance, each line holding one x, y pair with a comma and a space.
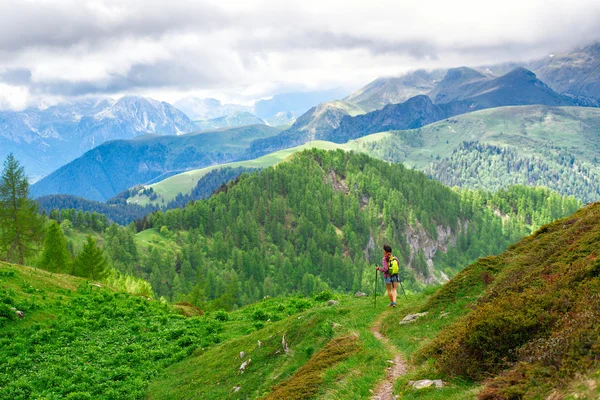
387, 248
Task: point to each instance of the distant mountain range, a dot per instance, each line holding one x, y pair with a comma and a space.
575, 75
462, 90
236, 119
393, 90
278, 110
44, 139
203, 109
296, 103
117, 165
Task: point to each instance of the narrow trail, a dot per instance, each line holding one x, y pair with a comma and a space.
383, 391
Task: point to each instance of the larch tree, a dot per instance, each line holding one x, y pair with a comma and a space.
21, 227
55, 256
90, 263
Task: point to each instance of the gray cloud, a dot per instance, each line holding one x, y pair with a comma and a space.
66, 24
139, 77
74, 48
16, 76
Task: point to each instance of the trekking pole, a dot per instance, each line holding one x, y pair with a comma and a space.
403, 290
375, 288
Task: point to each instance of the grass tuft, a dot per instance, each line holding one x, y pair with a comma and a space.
307, 381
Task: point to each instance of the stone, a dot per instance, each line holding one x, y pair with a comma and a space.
96, 284
20, 314
244, 365
412, 317
425, 383
284, 344
360, 294
332, 303
236, 389
242, 354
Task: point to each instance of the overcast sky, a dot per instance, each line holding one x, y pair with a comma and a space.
243, 50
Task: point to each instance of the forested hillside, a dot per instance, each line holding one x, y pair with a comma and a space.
318, 221
119, 212
479, 166
557, 147
109, 169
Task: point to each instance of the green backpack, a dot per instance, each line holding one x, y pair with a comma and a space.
393, 265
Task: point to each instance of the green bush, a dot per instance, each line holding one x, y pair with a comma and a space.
325, 295
220, 315
260, 315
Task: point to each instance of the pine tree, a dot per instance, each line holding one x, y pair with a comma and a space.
90, 263
55, 256
21, 226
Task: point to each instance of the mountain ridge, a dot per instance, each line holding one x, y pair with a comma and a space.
518, 87
47, 138
117, 165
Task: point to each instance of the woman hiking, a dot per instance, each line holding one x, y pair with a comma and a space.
390, 268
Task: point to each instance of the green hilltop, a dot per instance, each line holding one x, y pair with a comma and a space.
183, 183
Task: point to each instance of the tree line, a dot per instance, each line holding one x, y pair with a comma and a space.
481, 166
26, 235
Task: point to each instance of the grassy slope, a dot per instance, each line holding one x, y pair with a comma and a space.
153, 238
527, 319
185, 182
531, 129
305, 372
212, 374
80, 341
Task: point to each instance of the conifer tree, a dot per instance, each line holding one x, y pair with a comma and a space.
55, 256
21, 226
90, 263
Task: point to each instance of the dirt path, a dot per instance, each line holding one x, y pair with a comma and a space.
383, 391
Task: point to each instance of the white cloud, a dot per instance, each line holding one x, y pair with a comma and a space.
13, 97
238, 50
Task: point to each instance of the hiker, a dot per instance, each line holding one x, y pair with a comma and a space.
390, 268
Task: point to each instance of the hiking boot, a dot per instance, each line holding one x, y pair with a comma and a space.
393, 304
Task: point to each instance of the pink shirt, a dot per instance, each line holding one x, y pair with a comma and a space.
385, 268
